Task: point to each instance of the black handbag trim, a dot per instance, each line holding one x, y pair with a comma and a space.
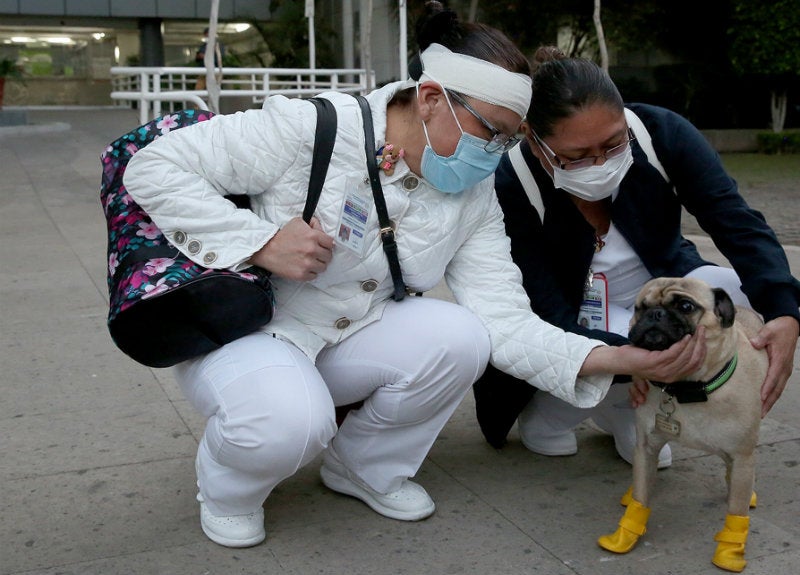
323, 150
387, 232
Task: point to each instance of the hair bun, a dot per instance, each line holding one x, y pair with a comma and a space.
436, 26
546, 54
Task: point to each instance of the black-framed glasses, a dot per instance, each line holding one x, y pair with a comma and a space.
587, 161
499, 142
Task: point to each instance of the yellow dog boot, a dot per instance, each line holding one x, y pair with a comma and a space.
627, 497
730, 543
631, 527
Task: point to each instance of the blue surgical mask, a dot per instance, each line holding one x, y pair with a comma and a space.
469, 164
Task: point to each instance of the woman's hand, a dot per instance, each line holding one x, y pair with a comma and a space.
779, 338
673, 364
638, 391
299, 251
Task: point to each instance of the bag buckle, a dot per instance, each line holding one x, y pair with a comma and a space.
387, 234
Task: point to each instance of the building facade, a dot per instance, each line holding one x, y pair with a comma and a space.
66, 48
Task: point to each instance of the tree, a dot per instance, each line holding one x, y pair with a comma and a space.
568, 23
285, 39
601, 39
212, 53
765, 44
366, 35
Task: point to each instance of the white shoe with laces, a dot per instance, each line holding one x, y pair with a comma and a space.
233, 530
409, 503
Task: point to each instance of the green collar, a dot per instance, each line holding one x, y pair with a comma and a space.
697, 391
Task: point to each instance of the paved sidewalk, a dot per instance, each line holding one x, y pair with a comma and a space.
96, 452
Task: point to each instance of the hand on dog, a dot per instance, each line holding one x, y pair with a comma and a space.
672, 364
638, 391
779, 337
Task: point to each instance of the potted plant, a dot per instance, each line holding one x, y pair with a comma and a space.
8, 69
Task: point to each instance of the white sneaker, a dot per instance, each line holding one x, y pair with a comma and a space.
619, 420
233, 530
553, 445
545, 425
409, 503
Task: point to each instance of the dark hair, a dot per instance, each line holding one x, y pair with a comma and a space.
562, 86
441, 26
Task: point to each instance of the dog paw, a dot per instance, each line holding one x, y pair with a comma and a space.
729, 554
631, 527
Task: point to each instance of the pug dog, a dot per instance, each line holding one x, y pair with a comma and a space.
716, 410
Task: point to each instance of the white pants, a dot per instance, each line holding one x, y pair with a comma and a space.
566, 416
270, 409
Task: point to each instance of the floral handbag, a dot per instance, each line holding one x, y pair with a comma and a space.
164, 308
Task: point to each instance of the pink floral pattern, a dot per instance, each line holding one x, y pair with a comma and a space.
142, 264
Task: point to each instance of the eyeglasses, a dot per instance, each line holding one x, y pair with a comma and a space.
499, 142
587, 161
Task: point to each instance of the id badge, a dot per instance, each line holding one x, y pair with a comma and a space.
593, 313
353, 219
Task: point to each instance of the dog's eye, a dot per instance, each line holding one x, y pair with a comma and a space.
686, 306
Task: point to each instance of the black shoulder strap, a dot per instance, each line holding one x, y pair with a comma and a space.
323, 149
387, 233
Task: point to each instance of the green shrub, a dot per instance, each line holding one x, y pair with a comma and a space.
9, 69
780, 143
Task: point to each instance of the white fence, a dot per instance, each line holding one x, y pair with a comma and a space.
154, 88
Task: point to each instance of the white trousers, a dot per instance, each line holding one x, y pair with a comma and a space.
565, 416
270, 409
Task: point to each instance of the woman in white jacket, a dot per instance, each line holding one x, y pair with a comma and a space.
337, 337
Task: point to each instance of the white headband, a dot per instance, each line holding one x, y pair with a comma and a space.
477, 78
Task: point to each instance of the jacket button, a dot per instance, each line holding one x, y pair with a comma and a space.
209, 258
194, 247
410, 183
366, 180
342, 323
179, 238
369, 285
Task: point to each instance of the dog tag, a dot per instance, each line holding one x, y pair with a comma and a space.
666, 424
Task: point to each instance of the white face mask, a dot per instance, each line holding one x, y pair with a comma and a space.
594, 183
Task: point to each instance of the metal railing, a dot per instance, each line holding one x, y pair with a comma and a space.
151, 88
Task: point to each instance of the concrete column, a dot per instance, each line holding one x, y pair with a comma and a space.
151, 42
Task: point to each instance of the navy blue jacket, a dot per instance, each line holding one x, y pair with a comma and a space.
554, 256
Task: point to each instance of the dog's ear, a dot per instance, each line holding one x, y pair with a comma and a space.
723, 307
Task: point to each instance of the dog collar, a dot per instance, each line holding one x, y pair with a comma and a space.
697, 391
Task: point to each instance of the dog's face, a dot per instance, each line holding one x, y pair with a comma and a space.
669, 308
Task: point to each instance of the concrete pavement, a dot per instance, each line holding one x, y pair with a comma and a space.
96, 451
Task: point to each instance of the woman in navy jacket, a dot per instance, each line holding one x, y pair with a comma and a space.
613, 210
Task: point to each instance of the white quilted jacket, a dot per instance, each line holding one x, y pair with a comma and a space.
180, 181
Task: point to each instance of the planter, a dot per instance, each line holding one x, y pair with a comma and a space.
8, 117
